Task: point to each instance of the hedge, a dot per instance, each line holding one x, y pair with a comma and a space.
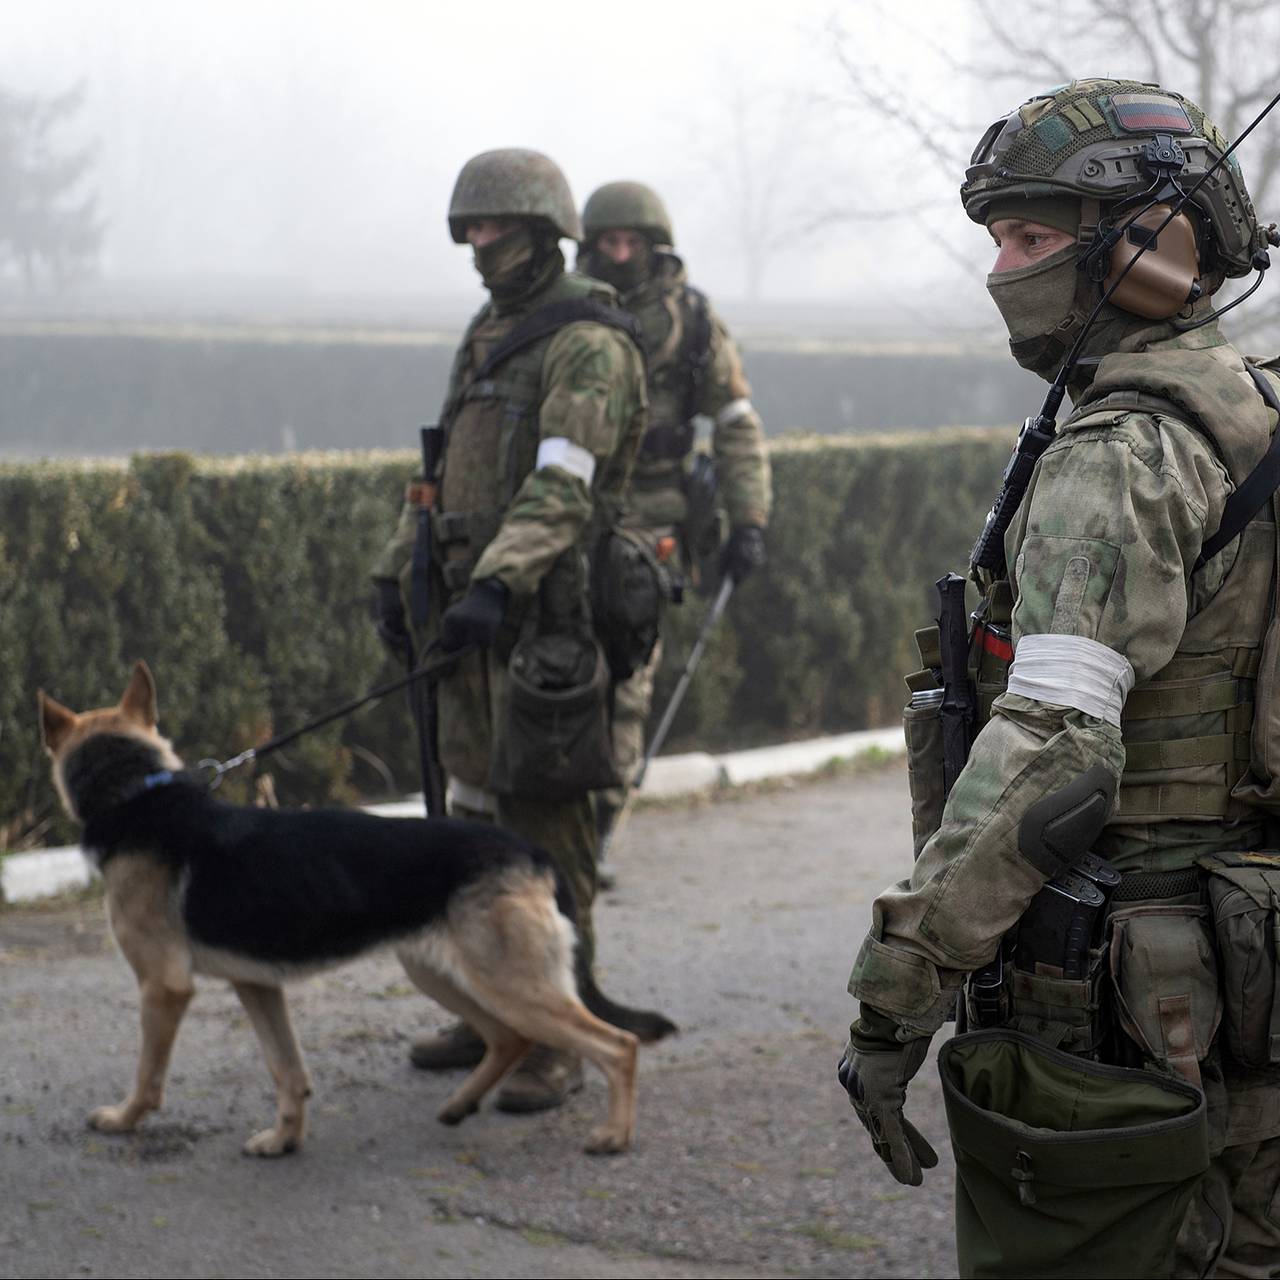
243, 583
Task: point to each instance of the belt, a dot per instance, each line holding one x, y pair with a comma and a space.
1139, 885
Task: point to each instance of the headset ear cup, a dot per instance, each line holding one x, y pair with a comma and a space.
1166, 277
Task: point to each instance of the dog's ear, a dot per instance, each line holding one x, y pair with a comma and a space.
139, 701
56, 721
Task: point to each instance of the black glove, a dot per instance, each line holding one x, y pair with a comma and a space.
475, 619
743, 552
388, 616
875, 1071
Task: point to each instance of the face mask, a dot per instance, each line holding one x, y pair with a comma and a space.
506, 265
1034, 301
624, 276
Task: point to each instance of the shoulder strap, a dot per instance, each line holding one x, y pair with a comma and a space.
1256, 488
550, 319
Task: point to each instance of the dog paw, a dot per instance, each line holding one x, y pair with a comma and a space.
605, 1141
271, 1142
112, 1119
456, 1115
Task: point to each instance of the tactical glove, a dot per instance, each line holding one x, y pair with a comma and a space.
875, 1071
475, 619
388, 616
743, 552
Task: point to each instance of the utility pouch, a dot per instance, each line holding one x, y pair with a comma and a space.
922, 724
1066, 1167
1165, 981
556, 742
630, 589
1244, 896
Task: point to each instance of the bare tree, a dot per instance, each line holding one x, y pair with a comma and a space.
48, 223
1221, 53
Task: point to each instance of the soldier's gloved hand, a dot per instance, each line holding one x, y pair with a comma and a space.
743, 552
875, 1071
388, 616
475, 619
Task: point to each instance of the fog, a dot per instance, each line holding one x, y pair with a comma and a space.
295, 158
306, 151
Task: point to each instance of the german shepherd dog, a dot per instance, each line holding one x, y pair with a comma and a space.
478, 917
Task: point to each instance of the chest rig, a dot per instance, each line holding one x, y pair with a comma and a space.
675, 325
490, 417
1198, 735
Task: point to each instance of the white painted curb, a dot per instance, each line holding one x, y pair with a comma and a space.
26, 876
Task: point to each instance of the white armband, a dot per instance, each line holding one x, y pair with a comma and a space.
1072, 671
559, 451
734, 410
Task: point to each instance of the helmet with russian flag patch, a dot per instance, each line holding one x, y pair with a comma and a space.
1110, 141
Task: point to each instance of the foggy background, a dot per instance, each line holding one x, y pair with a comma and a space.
281, 172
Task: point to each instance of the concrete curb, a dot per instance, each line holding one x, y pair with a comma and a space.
45, 872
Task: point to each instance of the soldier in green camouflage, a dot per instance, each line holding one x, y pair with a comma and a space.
1133, 661
693, 370
544, 413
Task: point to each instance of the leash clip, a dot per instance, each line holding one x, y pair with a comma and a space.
216, 768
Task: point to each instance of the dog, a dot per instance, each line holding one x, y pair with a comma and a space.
478, 917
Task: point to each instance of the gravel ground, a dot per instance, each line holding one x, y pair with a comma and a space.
738, 918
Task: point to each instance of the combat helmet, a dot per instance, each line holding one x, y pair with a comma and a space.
629, 206
512, 183
1108, 143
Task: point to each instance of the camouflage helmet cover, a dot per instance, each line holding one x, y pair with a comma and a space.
1086, 139
630, 206
512, 183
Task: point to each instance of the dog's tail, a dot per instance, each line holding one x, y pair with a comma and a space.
647, 1025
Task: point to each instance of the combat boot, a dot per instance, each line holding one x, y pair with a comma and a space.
456, 1046
543, 1080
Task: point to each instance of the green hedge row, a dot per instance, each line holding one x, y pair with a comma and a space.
243, 583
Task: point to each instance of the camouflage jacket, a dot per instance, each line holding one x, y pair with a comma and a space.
694, 368
575, 403
1104, 548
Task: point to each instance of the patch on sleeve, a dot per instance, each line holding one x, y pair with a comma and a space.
1066, 610
1149, 113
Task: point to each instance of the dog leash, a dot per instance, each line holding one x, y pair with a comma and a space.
432, 669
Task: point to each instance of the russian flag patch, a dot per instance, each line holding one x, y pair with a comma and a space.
1149, 113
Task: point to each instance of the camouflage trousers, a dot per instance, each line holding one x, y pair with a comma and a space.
632, 700
565, 829
1233, 1225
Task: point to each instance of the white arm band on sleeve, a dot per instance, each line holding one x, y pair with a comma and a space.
734, 410
558, 451
1072, 671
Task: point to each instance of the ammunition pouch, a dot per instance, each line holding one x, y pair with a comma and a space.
555, 740
630, 588
1066, 1167
667, 442
1244, 896
1066, 1013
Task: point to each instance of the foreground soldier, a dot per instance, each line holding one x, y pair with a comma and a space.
541, 423
693, 368
1130, 725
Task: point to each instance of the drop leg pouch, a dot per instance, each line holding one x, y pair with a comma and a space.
1066, 1167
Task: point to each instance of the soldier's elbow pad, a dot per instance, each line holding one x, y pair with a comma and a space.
1057, 831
